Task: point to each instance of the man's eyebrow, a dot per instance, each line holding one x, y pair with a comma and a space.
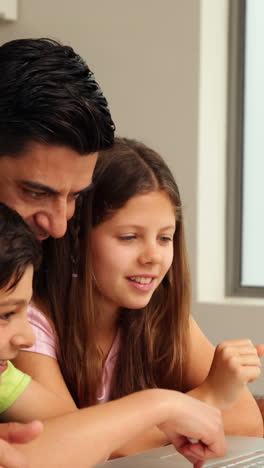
47, 189
9, 302
38, 186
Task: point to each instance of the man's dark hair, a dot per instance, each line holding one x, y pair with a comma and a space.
49, 95
18, 247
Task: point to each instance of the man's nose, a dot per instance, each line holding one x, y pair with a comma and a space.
54, 221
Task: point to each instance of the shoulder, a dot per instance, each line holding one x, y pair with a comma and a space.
37, 318
45, 336
13, 383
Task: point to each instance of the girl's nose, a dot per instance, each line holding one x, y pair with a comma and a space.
150, 255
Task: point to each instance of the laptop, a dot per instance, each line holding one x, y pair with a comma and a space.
241, 452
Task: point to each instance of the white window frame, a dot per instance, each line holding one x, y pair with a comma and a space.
239, 273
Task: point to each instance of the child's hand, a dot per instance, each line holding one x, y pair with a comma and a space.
191, 418
19, 434
235, 364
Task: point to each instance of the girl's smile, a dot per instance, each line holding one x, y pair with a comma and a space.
143, 283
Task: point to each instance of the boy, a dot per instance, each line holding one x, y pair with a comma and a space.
20, 253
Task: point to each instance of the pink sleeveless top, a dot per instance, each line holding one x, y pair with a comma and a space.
45, 344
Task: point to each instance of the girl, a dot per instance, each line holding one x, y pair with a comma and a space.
83, 437
123, 323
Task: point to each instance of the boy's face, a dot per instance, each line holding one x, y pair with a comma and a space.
15, 330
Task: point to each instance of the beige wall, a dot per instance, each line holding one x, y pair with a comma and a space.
145, 55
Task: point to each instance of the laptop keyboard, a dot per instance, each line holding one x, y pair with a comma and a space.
247, 461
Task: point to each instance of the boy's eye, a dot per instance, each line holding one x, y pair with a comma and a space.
6, 316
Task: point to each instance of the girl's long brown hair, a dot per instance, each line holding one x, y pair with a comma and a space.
154, 340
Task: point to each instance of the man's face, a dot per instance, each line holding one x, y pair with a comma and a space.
43, 184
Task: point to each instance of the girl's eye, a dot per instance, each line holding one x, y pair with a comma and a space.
127, 238
6, 316
165, 239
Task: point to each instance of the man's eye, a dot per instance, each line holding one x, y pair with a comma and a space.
33, 194
75, 196
6, 316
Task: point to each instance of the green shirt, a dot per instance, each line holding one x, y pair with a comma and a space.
13, 383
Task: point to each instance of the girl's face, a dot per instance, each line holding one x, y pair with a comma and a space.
133, 250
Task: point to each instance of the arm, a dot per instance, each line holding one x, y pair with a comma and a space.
86, 437
41, 364
21, 399
39, 394
260, 402
46, 372
152, 438
36, 403
243, 416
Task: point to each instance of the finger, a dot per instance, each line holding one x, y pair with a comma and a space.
199, 464
179, 441
192, 458
247, 360
241, 350
20, 433
197, 454
182, 443
254, 375
245, 372
11, 458
260, 350
241, 342
200, 452
208, 448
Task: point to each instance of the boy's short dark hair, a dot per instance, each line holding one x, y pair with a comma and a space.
49, 95
18, 247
